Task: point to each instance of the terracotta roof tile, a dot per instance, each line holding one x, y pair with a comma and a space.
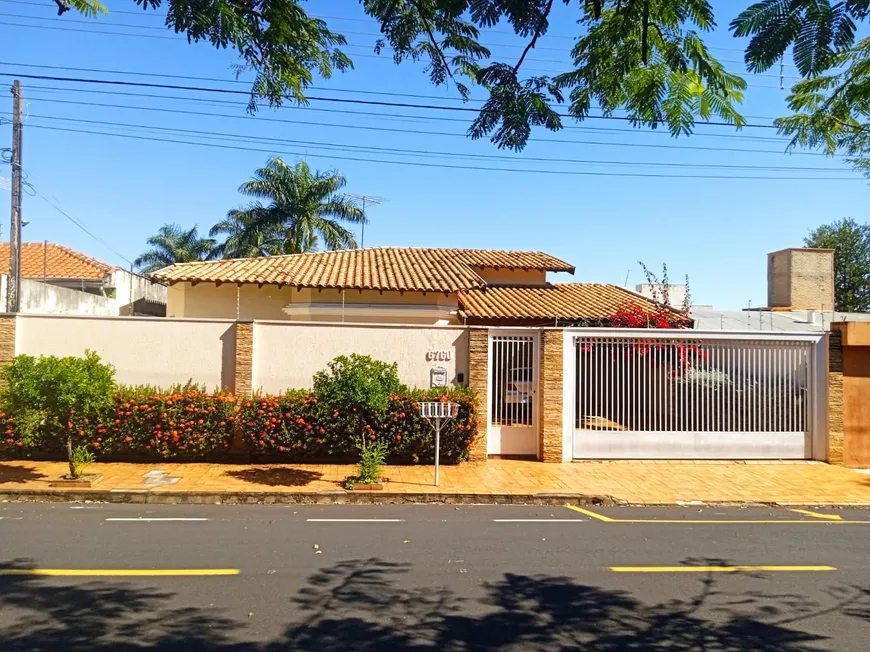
54, 261
387, 268
568, 301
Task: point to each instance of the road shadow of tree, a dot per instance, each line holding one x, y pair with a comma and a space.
277, 476
12, 473
357, 605
370, 605
79, 616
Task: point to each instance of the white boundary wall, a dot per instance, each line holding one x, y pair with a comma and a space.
287, 355
143, 350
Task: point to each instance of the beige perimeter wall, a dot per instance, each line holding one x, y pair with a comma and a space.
287, 355
144, 351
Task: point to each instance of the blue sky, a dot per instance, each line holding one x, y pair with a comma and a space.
122, 190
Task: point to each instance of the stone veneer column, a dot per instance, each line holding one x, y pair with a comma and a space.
478, 380
244, 373
551, 401
835, 396
7, 339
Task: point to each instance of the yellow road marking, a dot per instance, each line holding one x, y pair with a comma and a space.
718, 569
591, 514
119, 572
824, 519
829, 517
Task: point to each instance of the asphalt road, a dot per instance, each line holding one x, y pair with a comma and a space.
430, 578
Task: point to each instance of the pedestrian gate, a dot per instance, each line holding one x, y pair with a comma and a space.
689, 395
513, 383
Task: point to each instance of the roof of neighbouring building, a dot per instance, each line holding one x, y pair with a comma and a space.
54, 261
771, 320
558, 301
380, 268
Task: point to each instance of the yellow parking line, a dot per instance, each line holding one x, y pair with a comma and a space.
823, 519
118, 572
829, 517
591, 514
719, 569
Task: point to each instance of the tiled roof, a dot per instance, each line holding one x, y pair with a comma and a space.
54, 261
387, 268
568, 301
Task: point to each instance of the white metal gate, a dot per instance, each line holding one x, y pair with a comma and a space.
701, 396
513, 384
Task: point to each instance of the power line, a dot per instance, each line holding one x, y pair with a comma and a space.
393, 116
80, 224
408, 131
450, 166
406, 105
415, 152
355, 54
369, 21
357, 45
137, 73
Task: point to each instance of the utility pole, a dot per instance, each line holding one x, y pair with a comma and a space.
366, 200
13, 289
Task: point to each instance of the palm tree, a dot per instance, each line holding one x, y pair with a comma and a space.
307, 207
246, 237
171, 245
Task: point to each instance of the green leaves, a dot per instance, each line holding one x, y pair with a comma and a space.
851, 244
172, 245
306, 208
640, 57
56, 389
831, 111
817, 29
276, 39
357, 382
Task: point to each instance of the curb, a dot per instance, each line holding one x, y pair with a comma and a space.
341, 497
336, 497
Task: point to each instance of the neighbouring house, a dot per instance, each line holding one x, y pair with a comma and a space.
800, 298
59, 280
393, 285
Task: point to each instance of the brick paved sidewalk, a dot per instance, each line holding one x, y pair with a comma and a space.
633, 482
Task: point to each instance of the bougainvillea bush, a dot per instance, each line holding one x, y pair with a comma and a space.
298, 426
634, 315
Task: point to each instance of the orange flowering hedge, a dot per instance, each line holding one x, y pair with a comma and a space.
297, 426
186, 424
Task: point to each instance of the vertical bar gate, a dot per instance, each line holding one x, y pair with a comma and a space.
513, 364
682, 394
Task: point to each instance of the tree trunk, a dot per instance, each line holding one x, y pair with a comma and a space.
69, 454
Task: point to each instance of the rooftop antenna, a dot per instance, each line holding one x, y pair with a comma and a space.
625, 285
365, 200
749, 314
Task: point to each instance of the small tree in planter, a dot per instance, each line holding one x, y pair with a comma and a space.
50, 392
362, 386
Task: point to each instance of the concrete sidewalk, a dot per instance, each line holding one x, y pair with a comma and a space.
497, 481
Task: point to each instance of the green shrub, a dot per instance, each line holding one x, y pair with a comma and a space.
49, 392
80, 458
373, 455
185, 422
357, 382
298, 427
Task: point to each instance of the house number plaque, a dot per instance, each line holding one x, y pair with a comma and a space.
439, 356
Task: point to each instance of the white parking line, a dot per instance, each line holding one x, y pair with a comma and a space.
540, 520
147, 520
355, 520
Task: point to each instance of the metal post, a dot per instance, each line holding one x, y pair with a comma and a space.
13, 290
437, 447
